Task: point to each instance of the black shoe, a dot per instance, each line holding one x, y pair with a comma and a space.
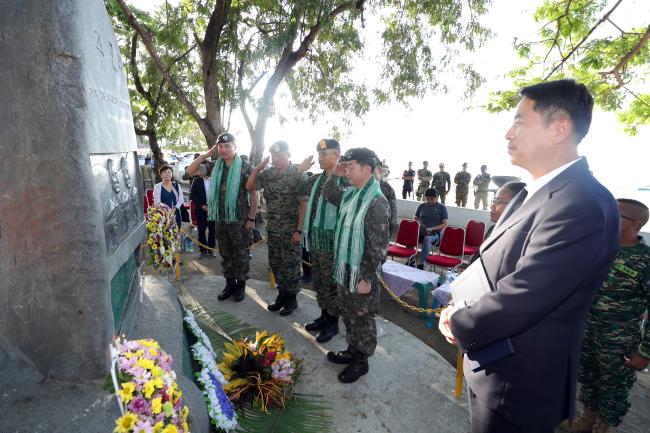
330, 329
279, 302
317, 324
354, 371
290, 304
240, 291
306, 279
342, 357
421, 267
228, 290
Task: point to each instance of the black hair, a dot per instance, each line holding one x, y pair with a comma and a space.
370, 162
431, 192
165, 167
514, 187
563, 95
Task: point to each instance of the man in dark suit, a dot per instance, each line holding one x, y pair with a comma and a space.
545, 260
198, 195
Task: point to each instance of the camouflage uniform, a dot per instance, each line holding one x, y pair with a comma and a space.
424, 177
389, 193
358, 310
233, 237
462, 180
282, 196
322, 262
442, 183
612, 333
481, 181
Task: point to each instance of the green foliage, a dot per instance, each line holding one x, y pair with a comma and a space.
303, 412
576, 41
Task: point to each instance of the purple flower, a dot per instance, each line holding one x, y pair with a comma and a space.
224, 402
139, 406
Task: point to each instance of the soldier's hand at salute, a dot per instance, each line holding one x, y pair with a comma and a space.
262, 165
306, 164
363, 288
637, 361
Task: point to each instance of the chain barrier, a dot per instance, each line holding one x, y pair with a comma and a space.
387, 289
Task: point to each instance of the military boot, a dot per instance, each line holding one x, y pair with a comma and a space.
279, 301
330, 329
290, 304
583, 423
317, 324
601, 426
228, 290
343, 357
357, 368
240, 291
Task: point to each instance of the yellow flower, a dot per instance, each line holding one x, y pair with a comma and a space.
234, 384
125, 423
171, 428
126, 393
184, 412
158, 383
148, 389
147, 364
153, 352
186, 428
148, 343
157, 427
156, 405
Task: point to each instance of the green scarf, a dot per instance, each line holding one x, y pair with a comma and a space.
319, 235
349, 239
232, 190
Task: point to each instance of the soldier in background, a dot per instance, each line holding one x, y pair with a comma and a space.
318, 239
462, 180
408, 177
361, 240
284, 210
442, 183
481, 183
389, 193
234, 214
424, 179
613, 347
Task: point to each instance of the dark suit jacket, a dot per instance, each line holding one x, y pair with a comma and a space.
198, 195
545, 261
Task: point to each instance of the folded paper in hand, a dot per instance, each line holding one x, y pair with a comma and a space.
471, 284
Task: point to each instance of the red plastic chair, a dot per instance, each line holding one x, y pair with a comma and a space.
145, 205
475, 231
150, 196
450, 251
406, 242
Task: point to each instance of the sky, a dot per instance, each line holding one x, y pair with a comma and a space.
440, 128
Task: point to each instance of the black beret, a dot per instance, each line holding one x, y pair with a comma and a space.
359, 153
279, 146
327, 144
225, 137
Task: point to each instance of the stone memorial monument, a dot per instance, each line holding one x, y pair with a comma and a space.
71, 214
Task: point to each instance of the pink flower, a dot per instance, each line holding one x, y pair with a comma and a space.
139, 405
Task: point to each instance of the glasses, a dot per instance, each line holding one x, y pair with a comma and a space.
497, 202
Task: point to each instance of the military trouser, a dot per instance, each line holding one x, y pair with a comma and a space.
406, 191
442, 195
358, 312
605, 380
422, 187
233, 241
481, 196
322, 268
284, 260
461, 196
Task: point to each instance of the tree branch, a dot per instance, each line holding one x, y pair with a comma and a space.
134, 69
628, 56
582, 41
206, 129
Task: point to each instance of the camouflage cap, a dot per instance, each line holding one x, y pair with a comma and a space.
359, 153
279, 147
327, 144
